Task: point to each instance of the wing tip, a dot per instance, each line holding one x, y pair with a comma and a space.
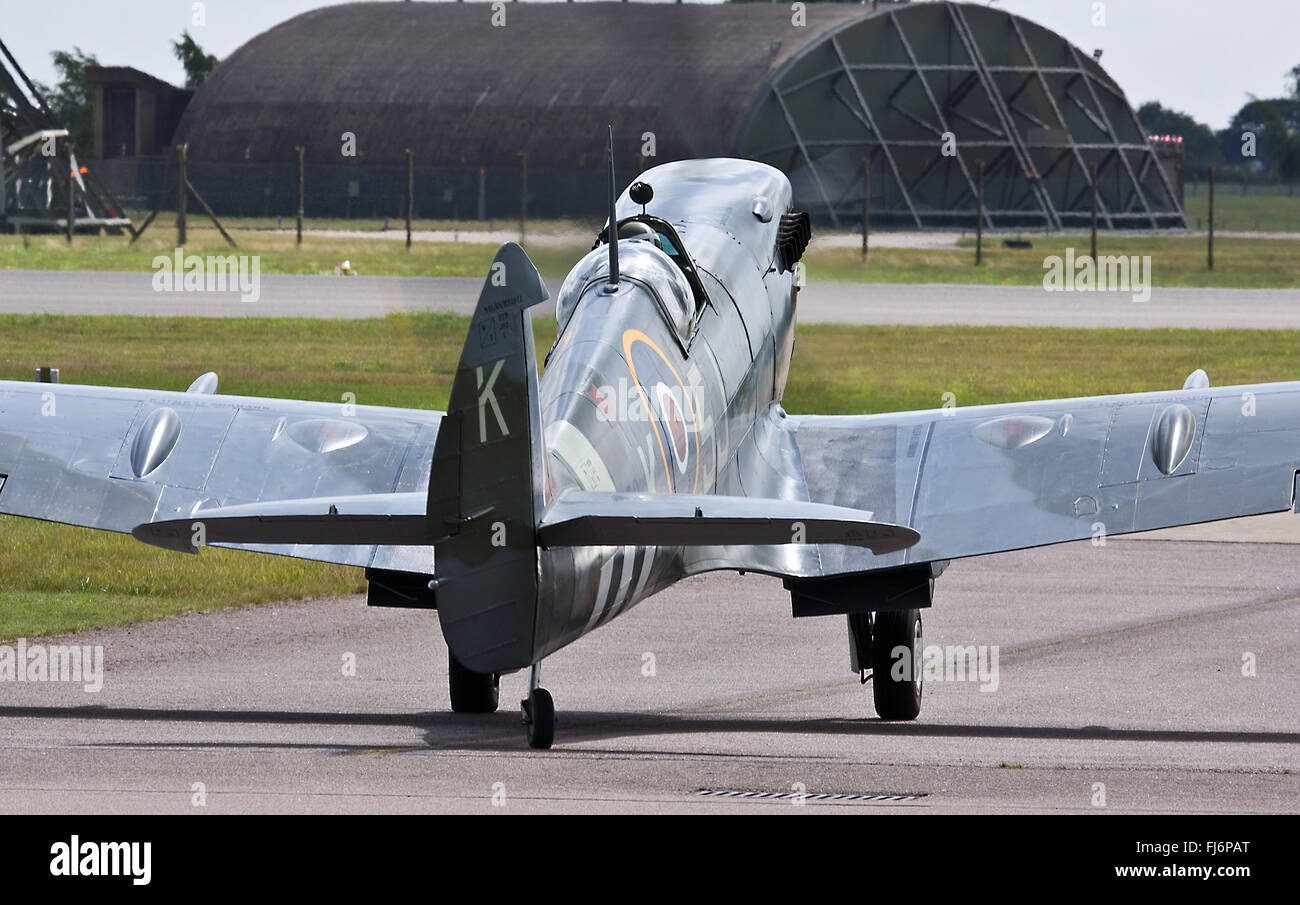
167, 535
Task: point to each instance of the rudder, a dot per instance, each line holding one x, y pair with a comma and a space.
486, 483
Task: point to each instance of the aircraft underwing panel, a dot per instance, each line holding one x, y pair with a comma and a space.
999, 481
886, 460
57, 448
1128, 456
268, 455
188, 459
111, 458
995, 478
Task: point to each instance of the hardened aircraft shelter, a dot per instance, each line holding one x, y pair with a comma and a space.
922, 92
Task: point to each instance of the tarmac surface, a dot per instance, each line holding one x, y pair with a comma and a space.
1119, 687
285, 295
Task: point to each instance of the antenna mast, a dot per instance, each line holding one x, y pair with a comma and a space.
613, 218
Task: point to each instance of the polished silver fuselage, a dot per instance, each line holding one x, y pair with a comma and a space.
633, 402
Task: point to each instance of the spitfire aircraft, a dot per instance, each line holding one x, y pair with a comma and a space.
654, 447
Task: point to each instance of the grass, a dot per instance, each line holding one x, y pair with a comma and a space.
1262, 208
407, 360
1176, 260
98, 578
399, 360
840, 369
278, 252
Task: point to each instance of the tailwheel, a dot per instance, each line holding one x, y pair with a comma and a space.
472, 692
896, 653
539, 711
539, 718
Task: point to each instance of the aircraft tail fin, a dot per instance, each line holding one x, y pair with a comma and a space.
488, 474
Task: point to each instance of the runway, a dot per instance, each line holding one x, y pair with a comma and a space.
1119, 665
285, 295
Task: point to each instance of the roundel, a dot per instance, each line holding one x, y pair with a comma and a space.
671, 411
676, 409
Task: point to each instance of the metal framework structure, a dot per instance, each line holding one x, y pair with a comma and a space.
34, 183
923, 92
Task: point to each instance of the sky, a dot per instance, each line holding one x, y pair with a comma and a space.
1203, 57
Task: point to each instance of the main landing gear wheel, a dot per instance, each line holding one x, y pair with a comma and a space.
897, 689
539, 711
472, 692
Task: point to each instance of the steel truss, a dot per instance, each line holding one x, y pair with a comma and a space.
34, 184
890, 85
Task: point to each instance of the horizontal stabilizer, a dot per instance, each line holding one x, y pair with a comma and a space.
579, 519
381, 518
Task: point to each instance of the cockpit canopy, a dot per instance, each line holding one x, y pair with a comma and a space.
643, 263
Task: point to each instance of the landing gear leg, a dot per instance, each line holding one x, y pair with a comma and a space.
539, 710
860, 645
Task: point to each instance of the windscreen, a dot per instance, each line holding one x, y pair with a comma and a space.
638, 260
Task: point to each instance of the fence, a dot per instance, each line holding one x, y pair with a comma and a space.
255, 189
373, 191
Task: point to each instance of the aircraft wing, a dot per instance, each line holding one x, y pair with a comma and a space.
986, 479
114, 458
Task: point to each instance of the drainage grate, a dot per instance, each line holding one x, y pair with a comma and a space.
806, 796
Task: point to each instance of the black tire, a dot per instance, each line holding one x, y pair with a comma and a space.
896, 698
541, 719
472, 692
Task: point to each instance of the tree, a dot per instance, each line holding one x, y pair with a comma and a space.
1293, 76
197, 63
1270, 121
1288, 161
1200, 147
69, 99
1282, 147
